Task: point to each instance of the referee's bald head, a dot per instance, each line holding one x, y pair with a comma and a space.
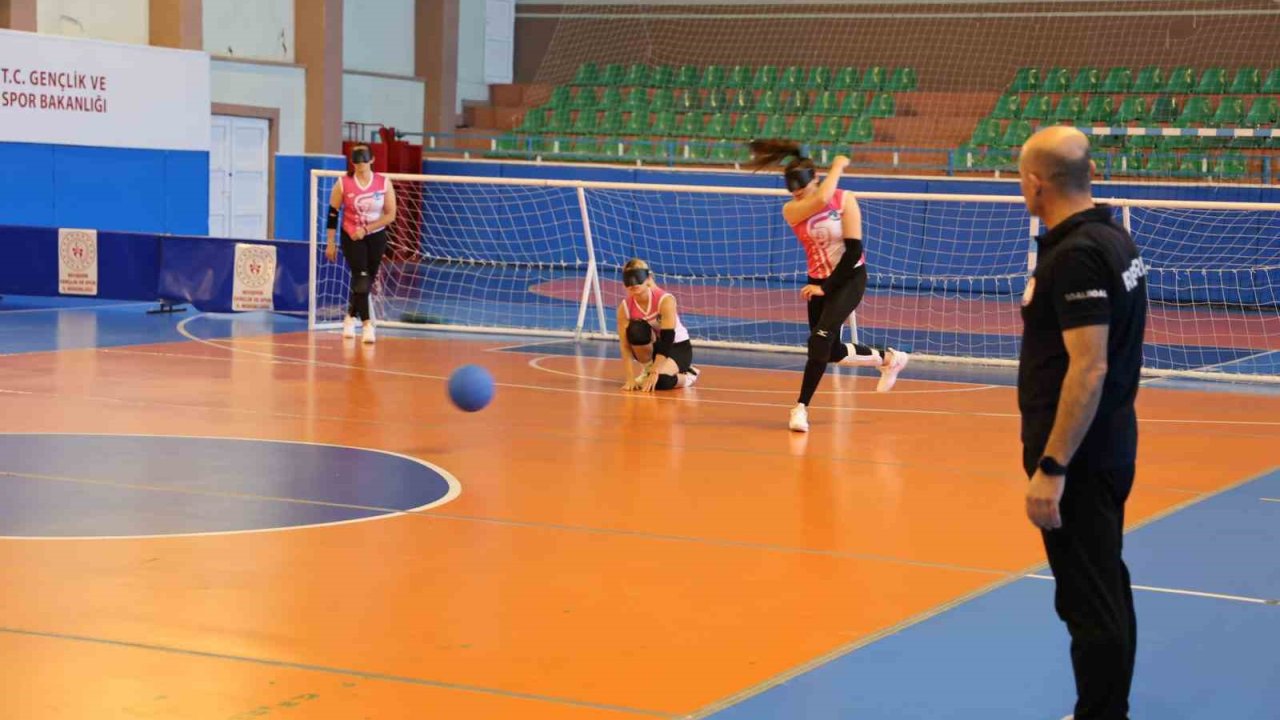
1059, 158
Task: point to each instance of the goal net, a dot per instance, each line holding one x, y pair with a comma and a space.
947, 272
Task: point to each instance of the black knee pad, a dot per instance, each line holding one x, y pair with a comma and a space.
361, 282
667, 382
820, 343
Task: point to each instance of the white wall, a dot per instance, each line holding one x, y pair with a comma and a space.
378, 35
471, 85
252, 29
275, 86
387, 101
125, 21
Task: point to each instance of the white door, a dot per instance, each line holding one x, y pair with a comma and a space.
499, 40
238, 157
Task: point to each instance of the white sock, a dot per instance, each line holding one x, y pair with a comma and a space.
875, 359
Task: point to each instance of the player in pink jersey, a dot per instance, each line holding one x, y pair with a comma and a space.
828, 223
368, 204
650, 332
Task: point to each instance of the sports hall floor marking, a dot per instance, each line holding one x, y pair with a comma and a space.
536, 364
346, 672
77, 308
1188, 593
855, 645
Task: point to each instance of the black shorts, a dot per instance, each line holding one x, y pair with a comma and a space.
682, 353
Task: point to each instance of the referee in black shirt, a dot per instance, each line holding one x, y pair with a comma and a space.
1083, 313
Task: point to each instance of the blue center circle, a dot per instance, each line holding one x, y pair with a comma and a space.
102, 486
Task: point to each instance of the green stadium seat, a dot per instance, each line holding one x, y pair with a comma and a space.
717, 127
1197, 111
558, 122
636, 123
1164, 109
775, 127
585, 124
613, 74
713, 77
796, 102
663, 76
585, 99
1161, 163
766, 78
1178, 142
746, 127
663, 99
1213, 81
1150, 80
1180, 80
1230, 112
1016, 134
827, 103
689, 125
560, 98
1101, 109
533, 122
903, 80
1070, 107
968, 157
588, 74
716, 100
987, 133
686, 100
846, 78
1008, 107
1248, 81
1231, 166
1056, 80
638, 149
507, 146
1143, 141
739, 77
638, 75
1271, 85
854, 104
819, 79
664, 123
1000, 159
1118, 81
1193, 165
611, 98
882, 106
1086, 80
803, 129
768, 102
1038, 107
1128, 162
730, 153
742, 101
610, 123
1132, 109
1263, 112
860, 131
1025, 80
790, 78
637, 99
831, 130
873, 79
686, 77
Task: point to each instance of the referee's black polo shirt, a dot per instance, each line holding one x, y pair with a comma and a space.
1088, 272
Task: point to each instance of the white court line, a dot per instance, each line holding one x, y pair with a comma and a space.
182, 329
1274, 500
1188, 593
78, 308
455, 487
536, 363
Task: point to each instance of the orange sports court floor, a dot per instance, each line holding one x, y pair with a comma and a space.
230, 517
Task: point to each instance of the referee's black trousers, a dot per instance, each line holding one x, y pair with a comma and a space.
1093, 594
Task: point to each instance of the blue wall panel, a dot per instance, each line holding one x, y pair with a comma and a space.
30, 264
109, 188
293, 191
26, 174
186, 193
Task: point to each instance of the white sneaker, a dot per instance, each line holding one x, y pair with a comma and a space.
799, 418
366, 334
348, 327
890, 369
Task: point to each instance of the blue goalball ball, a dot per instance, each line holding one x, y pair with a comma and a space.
471, 388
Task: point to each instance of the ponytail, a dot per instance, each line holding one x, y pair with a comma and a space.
772, 152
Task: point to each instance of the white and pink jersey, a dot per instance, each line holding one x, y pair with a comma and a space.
822, 236
650, 313
362, 205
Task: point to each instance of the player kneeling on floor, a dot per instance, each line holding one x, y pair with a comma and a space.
650, 333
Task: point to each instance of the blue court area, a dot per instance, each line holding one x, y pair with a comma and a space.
42, 324
128, 486
1004, 655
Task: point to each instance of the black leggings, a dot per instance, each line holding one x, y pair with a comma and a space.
826, 314
363, 258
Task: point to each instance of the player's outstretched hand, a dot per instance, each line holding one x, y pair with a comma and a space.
840, 162
810, 291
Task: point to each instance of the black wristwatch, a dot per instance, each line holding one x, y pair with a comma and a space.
1049, 466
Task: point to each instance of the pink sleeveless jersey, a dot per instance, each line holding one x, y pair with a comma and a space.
822, 236
650, 313
362, 205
